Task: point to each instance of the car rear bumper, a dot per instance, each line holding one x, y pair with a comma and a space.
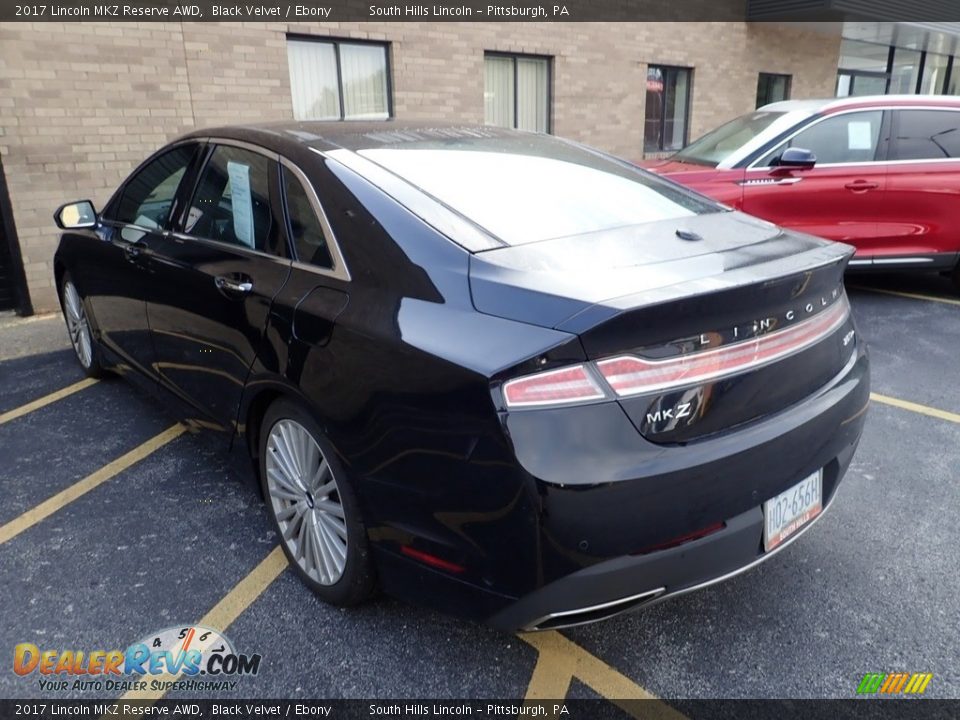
631, 583
689, 488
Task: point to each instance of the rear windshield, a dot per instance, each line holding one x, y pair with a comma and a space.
716, 145
524, 189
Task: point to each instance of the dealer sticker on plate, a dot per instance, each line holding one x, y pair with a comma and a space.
786, 513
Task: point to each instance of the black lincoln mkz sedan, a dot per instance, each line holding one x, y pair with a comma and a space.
497, 373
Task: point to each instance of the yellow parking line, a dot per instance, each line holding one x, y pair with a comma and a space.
916, 407
39, 512
45, 400
560, 660
230, 607
914, 296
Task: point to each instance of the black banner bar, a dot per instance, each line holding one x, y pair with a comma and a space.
291, 11
228, 709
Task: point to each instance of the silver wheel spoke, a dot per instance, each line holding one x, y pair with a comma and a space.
317, 561
289, 451
284, 481
287, 513
322, 473
334, 508
285, 493
304, 497
293, 527
321, 492
328, 569
337, 526
77, 326
337, 545
285, 466
334, 554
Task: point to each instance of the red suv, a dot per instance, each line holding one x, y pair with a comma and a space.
880, 173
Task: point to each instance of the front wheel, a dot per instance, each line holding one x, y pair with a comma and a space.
313, 507
78, 327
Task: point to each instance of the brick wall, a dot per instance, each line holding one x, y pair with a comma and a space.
82, 103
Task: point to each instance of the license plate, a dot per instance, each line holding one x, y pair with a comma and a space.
789, 511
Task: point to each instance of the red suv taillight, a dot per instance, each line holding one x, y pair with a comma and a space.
628, 375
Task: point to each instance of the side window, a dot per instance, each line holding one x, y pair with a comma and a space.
147, 197
309, 239
927, 135
232, 201
851, 137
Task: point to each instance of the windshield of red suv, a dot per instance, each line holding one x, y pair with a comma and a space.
712, 148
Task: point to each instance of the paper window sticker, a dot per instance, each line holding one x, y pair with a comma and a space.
193, 216
859, 135
241, 201
144, 221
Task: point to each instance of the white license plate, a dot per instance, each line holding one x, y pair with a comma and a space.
786, 513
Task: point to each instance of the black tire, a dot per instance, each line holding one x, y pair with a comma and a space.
79, 328
955, 276
357, 582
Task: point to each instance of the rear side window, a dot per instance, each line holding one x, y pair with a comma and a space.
847, 138
309, 239
148, 196
927, 135
232, 201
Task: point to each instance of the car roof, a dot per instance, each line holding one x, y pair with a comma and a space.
354, 135
831, 105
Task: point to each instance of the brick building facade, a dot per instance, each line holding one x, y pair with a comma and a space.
82, 103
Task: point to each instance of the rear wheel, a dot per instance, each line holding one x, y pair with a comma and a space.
78, 327
313, 507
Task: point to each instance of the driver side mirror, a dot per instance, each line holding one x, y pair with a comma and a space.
798, 158
76, 215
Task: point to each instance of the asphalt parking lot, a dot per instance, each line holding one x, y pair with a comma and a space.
117, 523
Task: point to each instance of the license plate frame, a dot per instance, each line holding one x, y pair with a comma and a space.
784, 514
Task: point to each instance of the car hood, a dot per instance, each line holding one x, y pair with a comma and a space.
573, 282
691, 172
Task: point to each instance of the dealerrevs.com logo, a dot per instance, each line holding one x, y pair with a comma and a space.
177, 658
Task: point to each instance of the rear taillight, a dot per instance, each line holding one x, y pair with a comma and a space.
554, 387
629, 375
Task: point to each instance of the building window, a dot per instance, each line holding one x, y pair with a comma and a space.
338, 80
516, 91
772, 88
667, 108
904, 71
869, 68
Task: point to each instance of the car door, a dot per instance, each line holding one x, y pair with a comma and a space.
918, 218
841, 196
318, 289
117, 276
219, 271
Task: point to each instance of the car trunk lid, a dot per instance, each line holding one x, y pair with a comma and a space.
673, 290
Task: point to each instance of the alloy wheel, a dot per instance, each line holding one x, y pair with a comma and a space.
77, 324
306, 502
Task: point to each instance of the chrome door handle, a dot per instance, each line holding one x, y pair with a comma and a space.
132, 250
236, 286
861, 186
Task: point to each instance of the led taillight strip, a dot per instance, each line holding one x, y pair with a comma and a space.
629, 375
554, 387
